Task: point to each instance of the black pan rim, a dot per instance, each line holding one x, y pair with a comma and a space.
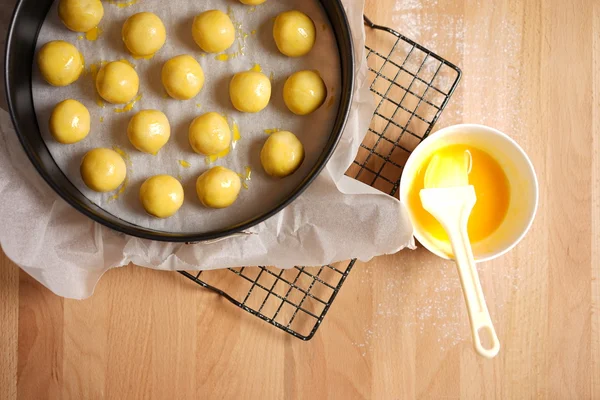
348, 77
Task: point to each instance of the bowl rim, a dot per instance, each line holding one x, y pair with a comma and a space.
451, 130
348, 77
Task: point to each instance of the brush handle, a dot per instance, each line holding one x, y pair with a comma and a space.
452, 208
479, 316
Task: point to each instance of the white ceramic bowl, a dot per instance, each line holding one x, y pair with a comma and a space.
519, 172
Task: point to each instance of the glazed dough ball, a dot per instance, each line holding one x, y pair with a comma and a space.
69, 122
161, 196
80, 15
213, 31
103, 170
250, 91
304, 92
209, 134
282, 154
294, 33
60, 63
218, 187
117, 82
148, 131
144, 34
252, 2
182, 77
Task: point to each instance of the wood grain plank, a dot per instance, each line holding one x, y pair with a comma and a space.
173, 335
595, 205
150, 335
526, 338
85, 338
41, 326
244, 358
9, 331
569, 186
322, 365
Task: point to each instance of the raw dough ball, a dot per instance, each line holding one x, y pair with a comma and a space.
69, 122
182, 77
149, 131
117, 82
103, 170
209, 134
304, 92
60, 63
294, 33
252, 2
218, 187
161, 195
282, 154
144, 34
250, 91
213, 31
80, 15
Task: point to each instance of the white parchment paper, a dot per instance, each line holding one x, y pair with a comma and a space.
336, 219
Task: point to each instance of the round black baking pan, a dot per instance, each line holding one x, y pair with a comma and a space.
26, 23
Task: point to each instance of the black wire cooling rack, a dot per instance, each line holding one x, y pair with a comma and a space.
412, 86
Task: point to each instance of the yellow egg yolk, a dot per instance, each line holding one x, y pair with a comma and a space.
491, 188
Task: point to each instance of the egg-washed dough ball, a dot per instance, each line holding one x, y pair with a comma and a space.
60, 63
144, 34
209, 134
213, 31
69, 122
294, 33
252, 2
182, 77
250, 91
148, 131
161, 195
103, 170
117, 82
282, 154
218, 187
80, 15
304, 92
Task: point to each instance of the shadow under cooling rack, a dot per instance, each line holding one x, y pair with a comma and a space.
411, 86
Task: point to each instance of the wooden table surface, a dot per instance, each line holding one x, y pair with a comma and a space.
398, 329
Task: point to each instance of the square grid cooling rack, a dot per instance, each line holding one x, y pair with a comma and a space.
411, 86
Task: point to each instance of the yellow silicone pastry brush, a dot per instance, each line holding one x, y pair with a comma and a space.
450, 199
